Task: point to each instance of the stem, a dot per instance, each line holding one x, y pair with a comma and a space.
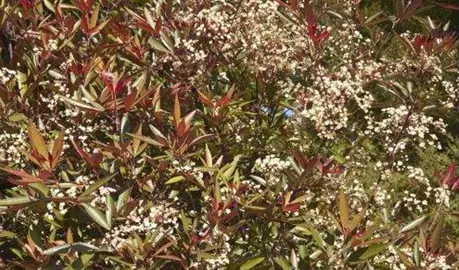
436, 214
399, 135
117, 120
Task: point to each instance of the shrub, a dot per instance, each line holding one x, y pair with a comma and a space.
238, 134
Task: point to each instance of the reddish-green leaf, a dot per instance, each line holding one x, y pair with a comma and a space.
343, 210
37, 141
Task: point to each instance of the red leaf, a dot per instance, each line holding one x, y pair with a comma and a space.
449, 174
311, 18
291, 207
445, 5
410, 9
84, 155
109, 81
204, 99
26, 4
197, 239
225, 100
27, 178
84, 5
201, 139
305, 163
456, 184
129, 100
121, 84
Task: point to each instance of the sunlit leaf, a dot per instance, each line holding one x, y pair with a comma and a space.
97, 185
37, 140
413, 224
96, 215
16, 201
251, 263
175, 179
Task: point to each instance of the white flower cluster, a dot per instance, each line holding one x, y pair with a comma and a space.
417, 174
56, 208
287, 88
415, 124
326, 101
7, 75
51, 102
220, 258
101, 194
419, 202
441, 195
320, 219
381, 195
327, 117
11, 147
52, 45
246, 33
436, 262
412, 201
81, 183
392, 258
271, 167
188, 168
143, 220
62, 86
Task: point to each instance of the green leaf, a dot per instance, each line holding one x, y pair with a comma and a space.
78, 104
34, 236
185, 221
146, 139
75, 247
317, 238
230, 170
175, 179
413, 224
283, 263
436, 236
97, 185
49, 5
42, 188
118, 260
18, 253
110, 213
250, 264
404, 258
366, 253
96, 215
149, 18
22, 83
158, 45
254, 208
302, 228
339, 158
17, 200
356, 219
57, 250
167, 41
16, 117
82, 262
7, 234
416, 254
37, 140
122, 199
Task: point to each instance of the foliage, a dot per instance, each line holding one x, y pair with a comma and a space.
238, 134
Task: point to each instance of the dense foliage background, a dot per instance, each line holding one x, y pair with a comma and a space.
231, 134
